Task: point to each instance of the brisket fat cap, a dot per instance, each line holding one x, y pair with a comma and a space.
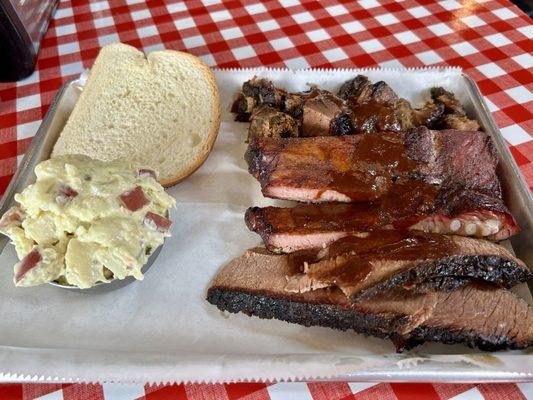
370, 263
478, 316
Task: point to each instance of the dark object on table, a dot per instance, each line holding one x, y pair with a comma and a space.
22, 27
525, 5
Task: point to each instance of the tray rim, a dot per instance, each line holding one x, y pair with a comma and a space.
22, 169
391, 375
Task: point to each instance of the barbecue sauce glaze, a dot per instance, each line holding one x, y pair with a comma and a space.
350, 260
377, 167
404, 205
373, 117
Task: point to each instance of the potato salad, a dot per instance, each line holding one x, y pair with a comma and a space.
86, 221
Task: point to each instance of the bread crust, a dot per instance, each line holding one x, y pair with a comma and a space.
186, 165
216, 125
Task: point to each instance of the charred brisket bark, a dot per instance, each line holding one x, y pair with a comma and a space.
476, 315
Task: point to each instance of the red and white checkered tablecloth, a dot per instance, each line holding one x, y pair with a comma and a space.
262, 391
490, 40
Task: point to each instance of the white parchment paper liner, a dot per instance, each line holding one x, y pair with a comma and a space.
163, 330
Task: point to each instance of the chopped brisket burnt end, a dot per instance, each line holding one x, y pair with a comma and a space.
448, 100
255, 93
358, 87
294, 102
454, 115
361, 107
410, 117
373, 117
478, 316
243, 107
263, 91
376, 108
319, 111
269, 122
360, 90
341, 125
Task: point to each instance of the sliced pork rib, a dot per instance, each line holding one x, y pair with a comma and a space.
309, 226
366, 167
479, 316
371, 263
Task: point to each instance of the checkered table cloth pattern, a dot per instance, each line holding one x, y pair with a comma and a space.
262, 391
490, 40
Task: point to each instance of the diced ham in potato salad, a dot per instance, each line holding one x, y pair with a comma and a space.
86, 221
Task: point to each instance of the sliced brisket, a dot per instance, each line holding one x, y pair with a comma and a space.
375, 262
478, 316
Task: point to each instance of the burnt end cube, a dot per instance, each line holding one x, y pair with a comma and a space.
268, 122
353, 87
263, 91
341, 125
319, 110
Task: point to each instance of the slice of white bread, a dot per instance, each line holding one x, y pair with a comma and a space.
162, 110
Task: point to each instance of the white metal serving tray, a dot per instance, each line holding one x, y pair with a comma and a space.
163, 330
